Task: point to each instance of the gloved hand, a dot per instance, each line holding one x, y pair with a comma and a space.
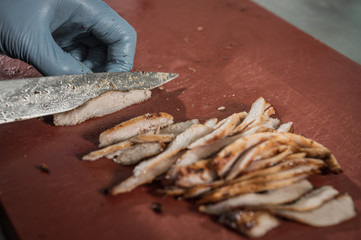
66, 36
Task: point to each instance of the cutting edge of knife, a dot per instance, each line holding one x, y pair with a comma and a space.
171, 76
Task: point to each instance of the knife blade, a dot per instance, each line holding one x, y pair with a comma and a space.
27, 98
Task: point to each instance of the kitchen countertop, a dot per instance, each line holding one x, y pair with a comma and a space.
227, 53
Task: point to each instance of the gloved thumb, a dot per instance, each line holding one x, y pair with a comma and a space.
50, 59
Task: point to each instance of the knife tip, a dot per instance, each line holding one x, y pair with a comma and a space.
173, 75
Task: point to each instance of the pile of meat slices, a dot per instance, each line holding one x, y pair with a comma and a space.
248, 169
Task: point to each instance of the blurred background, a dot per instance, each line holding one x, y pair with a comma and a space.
337, 23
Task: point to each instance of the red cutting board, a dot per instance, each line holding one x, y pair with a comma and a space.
227, 53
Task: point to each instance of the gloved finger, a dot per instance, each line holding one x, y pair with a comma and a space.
49, 59
72, 39
79, 52
116, 33
69, 35
83, 46
96, 58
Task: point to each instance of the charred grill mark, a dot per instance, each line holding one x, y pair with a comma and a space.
215, 138
250, 224
292, 129
219, 163
333, 165
324, 170
262, 192
120, 125
228, 219
228, 155
225, 194
152, 115
198, 170
189, 170
242, 221
149, 115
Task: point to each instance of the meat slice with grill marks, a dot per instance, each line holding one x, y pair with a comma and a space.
147, 138
271, 178
225, 158
220, 132
107, 150
178, 128
257, 109
243, 161
197, 173
311, 200
106, 103
256, 185
134, 126
269, 198
138, 152
147, 170
249, 222
330, 213
198, 153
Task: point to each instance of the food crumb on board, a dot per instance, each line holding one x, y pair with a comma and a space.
157, 207
222, 108
43, 168
229, 46
105, 191
200, 28
192, 69
161, 88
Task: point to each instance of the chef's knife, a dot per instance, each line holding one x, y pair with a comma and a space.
22, 99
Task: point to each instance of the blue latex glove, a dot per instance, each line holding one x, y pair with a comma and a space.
66, 36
